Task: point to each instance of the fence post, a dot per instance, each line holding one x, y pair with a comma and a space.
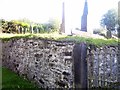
80, 66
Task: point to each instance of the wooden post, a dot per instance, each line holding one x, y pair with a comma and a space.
80, 66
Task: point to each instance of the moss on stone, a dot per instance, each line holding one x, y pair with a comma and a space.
58, 37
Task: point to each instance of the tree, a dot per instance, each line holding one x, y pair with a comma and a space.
40, 28
109, 20
54, 24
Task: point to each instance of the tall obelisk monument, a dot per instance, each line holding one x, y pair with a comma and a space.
84, 17
62, 27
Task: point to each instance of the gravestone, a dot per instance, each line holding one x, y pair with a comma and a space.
20, 30
31, 29
37, 30
24, 30
109, 35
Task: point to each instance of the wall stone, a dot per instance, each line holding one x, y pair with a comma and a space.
49, 63
103, 65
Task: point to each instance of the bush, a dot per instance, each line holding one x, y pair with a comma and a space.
101, 32
96, 31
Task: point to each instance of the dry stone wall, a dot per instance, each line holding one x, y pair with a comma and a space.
50, 65
103, 66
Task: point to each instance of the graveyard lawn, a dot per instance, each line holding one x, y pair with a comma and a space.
10, 80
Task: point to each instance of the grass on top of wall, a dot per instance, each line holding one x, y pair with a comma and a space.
96, 42
11, 80
59, 37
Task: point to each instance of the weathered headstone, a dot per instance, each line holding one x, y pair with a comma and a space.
31, 29
24, 30
84, 17
109, 35
37, 30
20, 29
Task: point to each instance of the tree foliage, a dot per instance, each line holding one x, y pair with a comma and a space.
109, 19
24, 25
54, 24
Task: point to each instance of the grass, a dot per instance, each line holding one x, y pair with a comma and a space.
55, 36
96, 42
10, 80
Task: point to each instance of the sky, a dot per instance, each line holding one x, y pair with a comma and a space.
42, 10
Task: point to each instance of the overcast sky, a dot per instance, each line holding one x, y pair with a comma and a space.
42, 10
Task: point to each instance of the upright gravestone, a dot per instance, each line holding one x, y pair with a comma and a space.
31, 29
17, 28
21, 29
84, 17
24, 30
37, 30
109, 34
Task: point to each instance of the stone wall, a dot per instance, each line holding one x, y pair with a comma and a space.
103, 66
49, 63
